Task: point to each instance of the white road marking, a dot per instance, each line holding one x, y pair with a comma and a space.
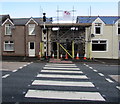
61, 71
28, 63
87, 65
109, 80
14, 71
62, 83
62, 76
61, 64
24, 65
101, 74
95, 70
118, 87
69, 95
5, 76
20, 67
91, 67
60, 68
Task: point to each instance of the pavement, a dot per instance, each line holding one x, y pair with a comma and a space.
60, 82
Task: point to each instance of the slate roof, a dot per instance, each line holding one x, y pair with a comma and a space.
3, 18
23, 21
105, 19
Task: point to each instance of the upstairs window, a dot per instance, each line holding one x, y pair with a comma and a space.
98, 28
7, 29
8, 46
99, 45
31, 29
118, 29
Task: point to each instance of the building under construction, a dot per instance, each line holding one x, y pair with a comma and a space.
89, 36
65, 39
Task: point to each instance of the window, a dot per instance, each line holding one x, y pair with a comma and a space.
31, 45
119, 29
31, 29
7, 29
98, 28
99, 45
8, 46
119, 45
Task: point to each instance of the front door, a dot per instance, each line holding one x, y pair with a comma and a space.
31, 49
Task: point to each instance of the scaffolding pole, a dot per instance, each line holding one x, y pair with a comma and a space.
73, 53
57, 50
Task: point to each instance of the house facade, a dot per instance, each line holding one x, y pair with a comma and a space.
21, 36
95, 37
103, 39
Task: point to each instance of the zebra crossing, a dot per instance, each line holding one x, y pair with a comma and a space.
63, 81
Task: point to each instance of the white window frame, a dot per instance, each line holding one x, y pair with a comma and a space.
9, 42
101, 28
100, 40
29, 26
8, 25
118, 27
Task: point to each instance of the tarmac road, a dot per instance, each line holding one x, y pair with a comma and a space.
78, 82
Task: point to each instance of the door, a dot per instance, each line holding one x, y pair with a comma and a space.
31, 49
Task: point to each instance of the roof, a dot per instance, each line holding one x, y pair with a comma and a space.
68, 25
23, 21
90, 19
3, 18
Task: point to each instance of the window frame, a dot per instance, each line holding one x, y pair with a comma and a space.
29, 25
118, 28
8, 43
100, 25
6, 29
99, 43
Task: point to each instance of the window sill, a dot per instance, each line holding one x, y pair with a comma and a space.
32, 35
99, 51
8, 34
8, 51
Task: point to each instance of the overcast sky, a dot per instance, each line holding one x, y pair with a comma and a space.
35, 9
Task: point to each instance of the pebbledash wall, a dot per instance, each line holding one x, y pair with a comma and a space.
102, 38
107, 37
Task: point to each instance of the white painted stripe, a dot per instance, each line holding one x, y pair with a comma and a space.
87, 65
24, 65
62, 83
118, 87
60, 64
61, 71
62, 76
91, 67
95, 70
68, 95
109, 80
5, 76
14, 71
28, 63
20, 67
101, 74
60, 68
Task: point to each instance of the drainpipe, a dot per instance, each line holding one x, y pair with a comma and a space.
25, 41
112, 38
